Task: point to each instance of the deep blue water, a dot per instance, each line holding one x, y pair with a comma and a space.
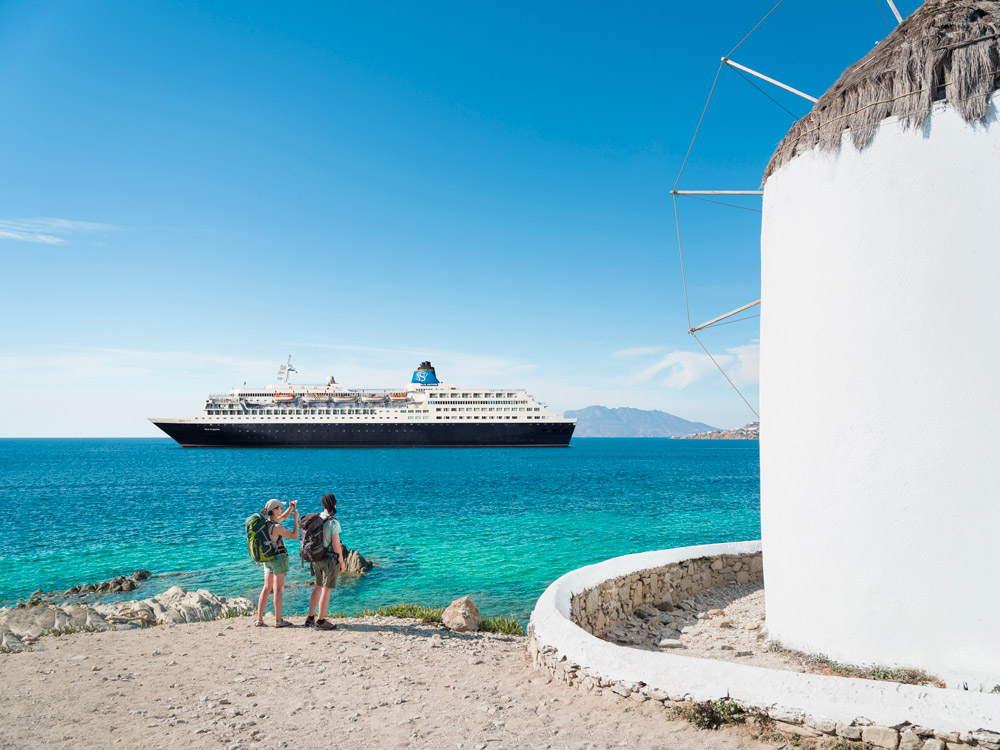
496, 524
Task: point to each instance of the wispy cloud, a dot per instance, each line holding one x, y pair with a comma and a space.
354, 365
47, 230
637, 351
741, 364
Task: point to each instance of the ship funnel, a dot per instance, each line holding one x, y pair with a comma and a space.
424, 375
330, 380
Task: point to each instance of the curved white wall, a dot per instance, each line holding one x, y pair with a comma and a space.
880, 398
837, 699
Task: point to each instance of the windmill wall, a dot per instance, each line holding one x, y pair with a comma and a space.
880, 399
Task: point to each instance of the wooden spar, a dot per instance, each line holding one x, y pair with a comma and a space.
716, 192
737, 311
895, 12
763, 77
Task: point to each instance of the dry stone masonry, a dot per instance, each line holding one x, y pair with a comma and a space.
613, 602
603, 611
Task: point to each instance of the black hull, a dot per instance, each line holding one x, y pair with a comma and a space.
371, 435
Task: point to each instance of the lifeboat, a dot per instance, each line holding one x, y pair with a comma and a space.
398, 397
284, 398
316, 398
343, 398
372, 399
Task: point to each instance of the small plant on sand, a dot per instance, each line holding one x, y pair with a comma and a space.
825, 665
9, 650
410, 611
234, 613
711, 714
70, 629
502, 624
996, 689
849, 745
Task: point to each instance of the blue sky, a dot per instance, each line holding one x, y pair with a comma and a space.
193, 191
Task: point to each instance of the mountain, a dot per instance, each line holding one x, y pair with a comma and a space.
600, 421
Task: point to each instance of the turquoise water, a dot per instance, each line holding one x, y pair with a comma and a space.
496, 524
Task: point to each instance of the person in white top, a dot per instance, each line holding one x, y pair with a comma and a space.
327, 568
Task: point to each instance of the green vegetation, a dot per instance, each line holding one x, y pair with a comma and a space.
711, 714
410, 611
996, 689
70, 629
234, 613
9, 650
824, 664
501, 624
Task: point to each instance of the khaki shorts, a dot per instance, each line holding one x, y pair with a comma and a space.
326, 572
278, 566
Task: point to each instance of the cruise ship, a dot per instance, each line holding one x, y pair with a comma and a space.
425, 413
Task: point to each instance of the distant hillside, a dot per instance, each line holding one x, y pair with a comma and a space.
600, 421
749, 432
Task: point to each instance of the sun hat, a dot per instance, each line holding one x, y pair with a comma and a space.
271, 505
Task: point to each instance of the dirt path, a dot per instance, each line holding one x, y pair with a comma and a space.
372, 683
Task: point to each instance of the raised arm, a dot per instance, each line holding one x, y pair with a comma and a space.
280, 530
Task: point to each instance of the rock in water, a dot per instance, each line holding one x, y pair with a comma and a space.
462, 616
355, 561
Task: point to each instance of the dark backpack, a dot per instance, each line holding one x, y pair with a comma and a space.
311, 547
259, 539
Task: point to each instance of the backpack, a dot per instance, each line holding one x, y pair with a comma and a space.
259, 543
311, 547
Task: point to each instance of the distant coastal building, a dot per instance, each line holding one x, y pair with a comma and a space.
747, 432
880, 270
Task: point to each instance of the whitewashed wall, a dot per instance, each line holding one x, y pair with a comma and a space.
880, 400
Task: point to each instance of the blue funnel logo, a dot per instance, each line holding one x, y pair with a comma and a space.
424, 375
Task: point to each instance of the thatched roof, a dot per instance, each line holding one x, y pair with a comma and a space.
947, 50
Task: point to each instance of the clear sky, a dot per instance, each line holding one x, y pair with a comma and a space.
193, 191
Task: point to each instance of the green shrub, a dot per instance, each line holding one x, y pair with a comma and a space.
711, 714
502, 624
996, 689
410, 611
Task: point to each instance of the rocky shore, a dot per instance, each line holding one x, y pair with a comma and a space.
23, 625
747, 432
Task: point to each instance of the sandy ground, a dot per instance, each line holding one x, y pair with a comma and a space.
372, 683
726, 624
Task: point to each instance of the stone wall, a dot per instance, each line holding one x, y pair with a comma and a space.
614, 601
582, 606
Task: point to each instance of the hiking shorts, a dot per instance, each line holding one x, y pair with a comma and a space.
326, 572
278, 566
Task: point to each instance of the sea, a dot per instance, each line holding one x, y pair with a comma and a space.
496, 524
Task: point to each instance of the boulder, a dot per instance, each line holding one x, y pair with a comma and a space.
355, 562
462, 616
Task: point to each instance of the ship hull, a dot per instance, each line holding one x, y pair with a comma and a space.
371, 435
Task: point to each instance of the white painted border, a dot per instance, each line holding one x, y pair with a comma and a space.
841, 699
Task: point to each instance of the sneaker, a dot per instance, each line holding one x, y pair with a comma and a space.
325, 625
310, 621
